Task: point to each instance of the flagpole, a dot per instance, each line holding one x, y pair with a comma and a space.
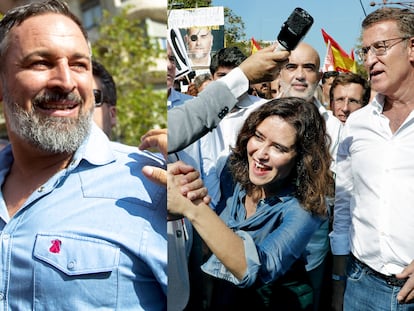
327, 62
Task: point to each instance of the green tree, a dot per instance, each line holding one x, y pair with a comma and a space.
128, 54
360, 66
191, 3
234, 27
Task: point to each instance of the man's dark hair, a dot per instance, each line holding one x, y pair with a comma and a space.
345, 78
329, 74
108, 83
226, 57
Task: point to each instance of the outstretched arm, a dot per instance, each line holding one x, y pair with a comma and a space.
196, 117
222, 241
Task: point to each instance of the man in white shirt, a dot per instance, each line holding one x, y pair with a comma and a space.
373, 220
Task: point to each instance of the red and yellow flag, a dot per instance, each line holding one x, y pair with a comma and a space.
340, 60
254, 46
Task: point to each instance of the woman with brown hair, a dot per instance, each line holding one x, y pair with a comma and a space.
280, 166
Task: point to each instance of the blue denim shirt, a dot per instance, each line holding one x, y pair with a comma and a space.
274, 237
92, 237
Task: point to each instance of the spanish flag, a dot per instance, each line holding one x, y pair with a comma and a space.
341, 61
254, 46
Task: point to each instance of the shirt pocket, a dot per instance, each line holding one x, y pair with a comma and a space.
73, 272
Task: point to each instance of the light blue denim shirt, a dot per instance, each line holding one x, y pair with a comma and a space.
274, 237
92, 237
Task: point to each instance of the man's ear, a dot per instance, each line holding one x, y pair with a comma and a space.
112, 113
320, 75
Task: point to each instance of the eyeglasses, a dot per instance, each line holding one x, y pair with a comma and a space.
378, 48
351, 101
98, 97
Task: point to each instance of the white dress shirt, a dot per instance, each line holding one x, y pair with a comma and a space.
333, 129
374, 202
318, 245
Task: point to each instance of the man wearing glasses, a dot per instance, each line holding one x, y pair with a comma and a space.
348, 93
373, 219
104, 91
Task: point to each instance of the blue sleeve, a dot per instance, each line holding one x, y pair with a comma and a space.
282, 247
274, 255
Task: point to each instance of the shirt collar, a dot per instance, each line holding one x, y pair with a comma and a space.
177, 98
284, 194
95, 148
321, 108
378, 103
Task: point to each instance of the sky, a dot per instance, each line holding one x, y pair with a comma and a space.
341, 19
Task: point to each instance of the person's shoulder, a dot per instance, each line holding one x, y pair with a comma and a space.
125, 154
361, 115
294, 207
124, 178
178, 98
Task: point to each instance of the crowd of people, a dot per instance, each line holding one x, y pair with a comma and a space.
351, 251
288, 188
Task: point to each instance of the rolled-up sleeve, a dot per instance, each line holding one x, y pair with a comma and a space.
271, 257
215, 268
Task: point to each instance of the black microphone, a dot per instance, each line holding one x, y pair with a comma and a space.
294, 29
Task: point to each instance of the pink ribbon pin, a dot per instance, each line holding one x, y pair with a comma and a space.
55, 248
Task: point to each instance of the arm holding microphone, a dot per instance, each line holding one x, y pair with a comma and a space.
192, 120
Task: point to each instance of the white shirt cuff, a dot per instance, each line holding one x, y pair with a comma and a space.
236, 81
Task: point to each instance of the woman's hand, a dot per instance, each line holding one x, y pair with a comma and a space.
183, 186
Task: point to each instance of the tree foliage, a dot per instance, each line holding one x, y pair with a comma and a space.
192, 3
233, 28
128, 54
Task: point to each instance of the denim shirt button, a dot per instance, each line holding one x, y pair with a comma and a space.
1, 296
71, 265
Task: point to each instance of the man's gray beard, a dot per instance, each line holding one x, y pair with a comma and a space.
198, 54
47, 133
288, 91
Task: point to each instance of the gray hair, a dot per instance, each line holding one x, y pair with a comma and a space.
18, 15
404, 19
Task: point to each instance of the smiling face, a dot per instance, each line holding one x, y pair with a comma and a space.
46, 83
388, 72
271, 153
